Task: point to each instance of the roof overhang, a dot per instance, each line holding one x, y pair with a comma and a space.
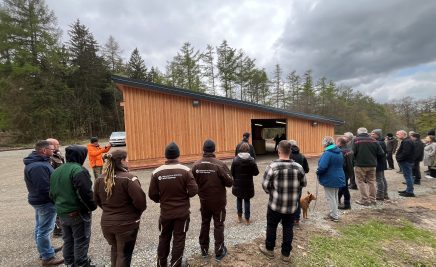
220, 99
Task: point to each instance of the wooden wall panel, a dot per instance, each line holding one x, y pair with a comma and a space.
153, 119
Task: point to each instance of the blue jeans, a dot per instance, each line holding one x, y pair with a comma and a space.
406, 167
76, 233
45, 216
246, 207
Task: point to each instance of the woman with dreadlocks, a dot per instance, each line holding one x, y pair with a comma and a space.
119, 194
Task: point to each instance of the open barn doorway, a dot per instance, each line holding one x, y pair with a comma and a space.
265, 134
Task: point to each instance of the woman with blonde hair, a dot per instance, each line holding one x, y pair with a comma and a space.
119, 194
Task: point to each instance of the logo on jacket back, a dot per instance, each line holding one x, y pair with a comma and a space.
204, 171
169, 176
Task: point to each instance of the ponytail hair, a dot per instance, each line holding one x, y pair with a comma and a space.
112, 164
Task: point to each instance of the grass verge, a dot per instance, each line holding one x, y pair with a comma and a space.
373, 243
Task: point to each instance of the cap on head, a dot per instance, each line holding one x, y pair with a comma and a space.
390, 135
172, 151
209, 146
94, 139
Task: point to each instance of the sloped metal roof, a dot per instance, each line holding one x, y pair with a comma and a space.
220, 99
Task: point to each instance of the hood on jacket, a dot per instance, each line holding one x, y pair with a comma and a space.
76, 154
34, 157
295, 150
244, 155
333, 149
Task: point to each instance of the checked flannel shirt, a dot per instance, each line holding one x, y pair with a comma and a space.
282, 181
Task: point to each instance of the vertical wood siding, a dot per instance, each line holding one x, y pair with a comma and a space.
154, 119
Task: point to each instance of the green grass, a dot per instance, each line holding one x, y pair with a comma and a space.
373, 243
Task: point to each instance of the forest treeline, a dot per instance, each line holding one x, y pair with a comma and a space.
63, 89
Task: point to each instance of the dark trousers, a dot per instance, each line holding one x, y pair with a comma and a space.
219, 216
416, 172
345, 192
273, 218
122, 245
353, 180
97, 171
297, 213
390, 160
76, 233
175, 229
246, 207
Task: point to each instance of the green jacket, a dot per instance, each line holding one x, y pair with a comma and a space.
71, 185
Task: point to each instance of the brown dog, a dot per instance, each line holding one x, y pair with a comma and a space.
305, 201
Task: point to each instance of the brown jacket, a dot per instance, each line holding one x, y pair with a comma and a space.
172, 185
122, 211
212, 176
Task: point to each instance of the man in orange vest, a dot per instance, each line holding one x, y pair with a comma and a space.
95, 153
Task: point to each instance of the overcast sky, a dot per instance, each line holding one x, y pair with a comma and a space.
386, 49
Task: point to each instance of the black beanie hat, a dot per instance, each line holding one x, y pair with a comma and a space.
172, 151
390, 135
94, 139
209, 146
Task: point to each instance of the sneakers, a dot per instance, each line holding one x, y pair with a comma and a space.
222, 255
52, 261
406, 194
266, 252
330, 218
429, 177
285, 258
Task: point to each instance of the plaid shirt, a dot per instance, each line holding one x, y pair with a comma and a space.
282, 180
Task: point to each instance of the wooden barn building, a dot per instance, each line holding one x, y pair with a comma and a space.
155, 115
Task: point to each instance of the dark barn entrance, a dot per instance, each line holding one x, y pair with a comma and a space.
264, 131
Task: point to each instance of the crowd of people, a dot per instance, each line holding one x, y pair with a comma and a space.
62, 187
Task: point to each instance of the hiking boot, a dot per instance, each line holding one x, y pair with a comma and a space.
285, 258
353, 187
52, 261
344, 207
417, 182
222, 255
239, 218
205, 253
363, 203
402, 191
406, 194
247, 221
266, 252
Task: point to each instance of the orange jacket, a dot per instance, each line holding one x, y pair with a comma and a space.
95, 155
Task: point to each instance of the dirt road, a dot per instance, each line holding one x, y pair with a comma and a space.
17, 246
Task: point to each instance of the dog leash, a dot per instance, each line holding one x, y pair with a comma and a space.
316, 194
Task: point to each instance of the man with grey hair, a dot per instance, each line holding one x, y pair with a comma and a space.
366, 150
406, 157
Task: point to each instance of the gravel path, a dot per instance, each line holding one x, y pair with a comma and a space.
17, 247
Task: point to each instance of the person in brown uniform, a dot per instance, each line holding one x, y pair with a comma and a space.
171, 185
212, 177
119, 194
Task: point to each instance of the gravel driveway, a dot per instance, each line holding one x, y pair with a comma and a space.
17, 246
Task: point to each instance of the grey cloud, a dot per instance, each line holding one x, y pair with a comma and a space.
348, 39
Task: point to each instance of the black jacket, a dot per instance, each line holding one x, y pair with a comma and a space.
419, 150
366, 150
243, 169
299, 158
406, 151
381, 159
